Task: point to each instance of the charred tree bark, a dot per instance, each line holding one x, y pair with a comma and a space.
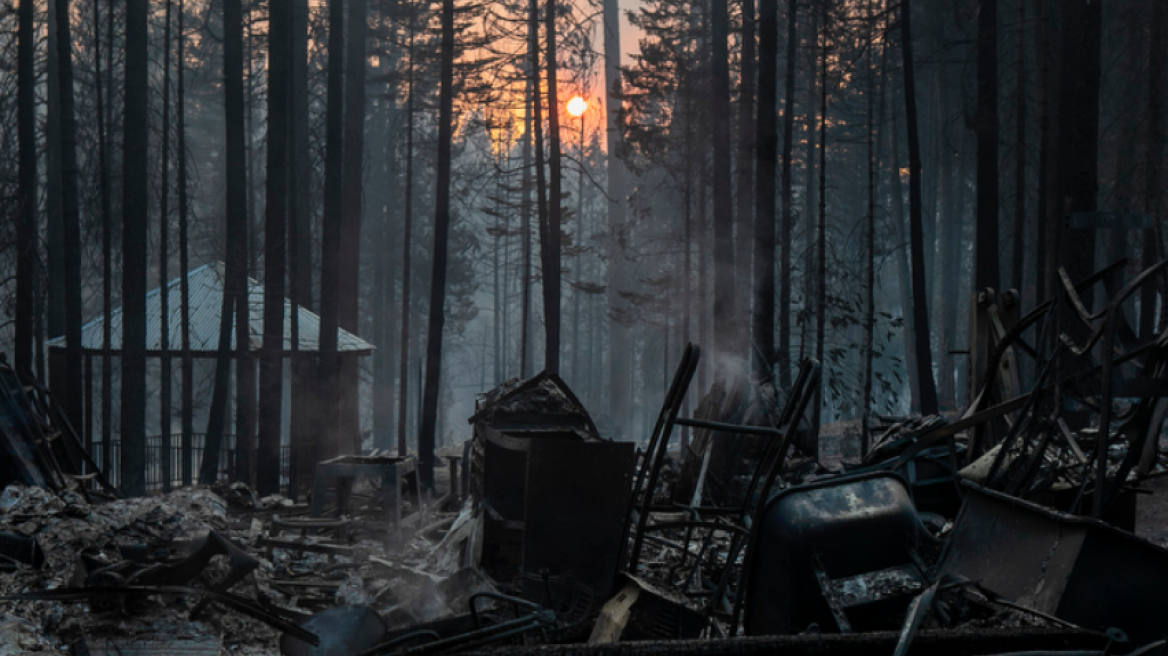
986, 269
135, 198
821, 224
551, 247
924, 357
726, 322
785, 253
107, 228
164, 387
869, 245
351, 210
441, 233
1153, 175
1019, 238
764, 199
235, 273
1078, 136
407, 271
271, 404
618, 333
329, 365
301, 467
26, 228
747, 156
188, 369
71, 220
541, 196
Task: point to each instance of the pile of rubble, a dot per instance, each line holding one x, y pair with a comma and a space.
207, 572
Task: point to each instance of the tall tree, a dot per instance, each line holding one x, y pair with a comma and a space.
924, 357
1078, 157
541, 195
550, 249
302, 430
351, 207
869, 320
135, 200
1153, 175
107, 229
26, 234
726, 323
331, 229
188, 364
441, 235
784, 313
1019, 237
236, 220
764, 210
71, 220
747, 157
617, 178
986, 269
821, 224
271, 403
164, 401
407, 250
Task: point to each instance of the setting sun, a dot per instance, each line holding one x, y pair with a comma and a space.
577, 106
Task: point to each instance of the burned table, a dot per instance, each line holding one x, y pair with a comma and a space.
343, 470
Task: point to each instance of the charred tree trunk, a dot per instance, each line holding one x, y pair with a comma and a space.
986, 269
188, 369
785, 253
530, 98
407, 272
821, 224
71, 220
351, 208
164, 400
1153, 176
541, 196
236, 217
551, 247
747, 156
726, 321
26, 230
764, 208
301, 467
618, 333
134, 224
1019, 238
331, 238
920, 320
275, 251
107, 229
441, 233
869, 245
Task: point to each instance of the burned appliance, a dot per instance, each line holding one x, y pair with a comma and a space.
552, 493
837, 554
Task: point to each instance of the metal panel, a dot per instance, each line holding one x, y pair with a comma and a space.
1076, 568
577, 494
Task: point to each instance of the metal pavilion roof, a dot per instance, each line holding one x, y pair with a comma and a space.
206, 299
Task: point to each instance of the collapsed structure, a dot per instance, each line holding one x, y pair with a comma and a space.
1008, 528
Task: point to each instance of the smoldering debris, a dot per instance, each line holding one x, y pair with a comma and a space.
1006, 527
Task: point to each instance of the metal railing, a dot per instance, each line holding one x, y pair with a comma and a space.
154, 460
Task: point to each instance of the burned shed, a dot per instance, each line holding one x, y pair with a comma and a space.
551, 492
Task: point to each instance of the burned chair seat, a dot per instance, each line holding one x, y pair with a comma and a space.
837, 554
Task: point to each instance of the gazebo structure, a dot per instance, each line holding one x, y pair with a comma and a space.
206, 289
